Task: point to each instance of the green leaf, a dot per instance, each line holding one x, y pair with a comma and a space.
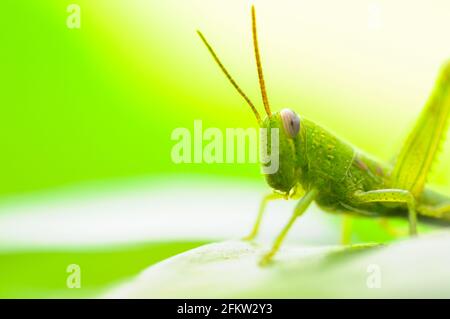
411, 268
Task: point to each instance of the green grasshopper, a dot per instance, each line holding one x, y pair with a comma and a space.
315, 165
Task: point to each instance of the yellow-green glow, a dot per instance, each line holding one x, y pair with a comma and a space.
101, 101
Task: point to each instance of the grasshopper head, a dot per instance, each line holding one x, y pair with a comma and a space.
286, 124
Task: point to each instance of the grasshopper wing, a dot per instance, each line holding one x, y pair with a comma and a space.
418, 153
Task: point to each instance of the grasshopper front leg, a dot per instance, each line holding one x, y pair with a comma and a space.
393, 196
301, 207
262, 208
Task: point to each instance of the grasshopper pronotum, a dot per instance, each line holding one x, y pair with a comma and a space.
321, 167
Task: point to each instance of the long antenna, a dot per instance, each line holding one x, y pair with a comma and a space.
230, 78
258, 65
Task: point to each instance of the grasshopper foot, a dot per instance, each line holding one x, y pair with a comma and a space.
267, 259
249, 237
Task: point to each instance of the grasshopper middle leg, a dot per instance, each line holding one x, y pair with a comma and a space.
395, 196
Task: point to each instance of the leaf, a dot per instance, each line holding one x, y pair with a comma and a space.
410, 268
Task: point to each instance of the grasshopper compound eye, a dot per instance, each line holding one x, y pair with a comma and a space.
291, 122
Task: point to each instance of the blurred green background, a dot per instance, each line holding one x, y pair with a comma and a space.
98, 104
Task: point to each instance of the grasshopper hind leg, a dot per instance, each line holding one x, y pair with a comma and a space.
437, 211
420, 150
